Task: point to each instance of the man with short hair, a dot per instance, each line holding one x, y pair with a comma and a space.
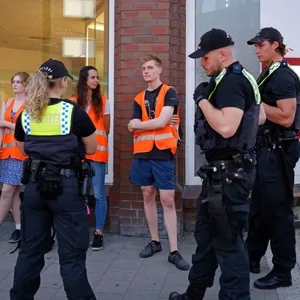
155, 144
226, 126
271, 216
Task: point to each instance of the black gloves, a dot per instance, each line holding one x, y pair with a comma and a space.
201, 92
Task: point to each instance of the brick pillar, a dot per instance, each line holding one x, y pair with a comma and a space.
141, 28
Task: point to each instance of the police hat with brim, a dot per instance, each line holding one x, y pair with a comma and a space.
212, 40
54, 69
269, 34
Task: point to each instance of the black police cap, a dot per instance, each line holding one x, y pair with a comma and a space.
212, 40
55, 69
267, 33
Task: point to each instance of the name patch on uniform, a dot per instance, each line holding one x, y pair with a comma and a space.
51, 119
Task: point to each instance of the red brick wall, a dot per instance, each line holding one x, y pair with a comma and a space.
142, 27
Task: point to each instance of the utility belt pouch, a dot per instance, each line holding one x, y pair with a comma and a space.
34, 169
50, 181
87, 174
26, 171
30, 171
246, 160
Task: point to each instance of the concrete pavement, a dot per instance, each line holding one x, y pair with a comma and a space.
118, 273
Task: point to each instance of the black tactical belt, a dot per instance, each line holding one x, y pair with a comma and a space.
68, 173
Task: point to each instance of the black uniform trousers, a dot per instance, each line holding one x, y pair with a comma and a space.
222, 244
271, 218
69, 216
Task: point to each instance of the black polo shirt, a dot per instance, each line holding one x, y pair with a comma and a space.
282, 84
234, 90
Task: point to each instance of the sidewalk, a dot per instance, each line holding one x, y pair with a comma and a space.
117, 272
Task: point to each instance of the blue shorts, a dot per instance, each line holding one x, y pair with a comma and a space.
159, 173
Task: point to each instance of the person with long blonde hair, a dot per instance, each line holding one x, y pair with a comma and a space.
11, 159
54, 133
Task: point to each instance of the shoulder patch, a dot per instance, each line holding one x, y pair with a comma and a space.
237, 68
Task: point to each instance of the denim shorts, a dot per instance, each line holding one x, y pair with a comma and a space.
159, 173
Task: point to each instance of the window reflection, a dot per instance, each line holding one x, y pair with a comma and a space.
74, 31
79, 8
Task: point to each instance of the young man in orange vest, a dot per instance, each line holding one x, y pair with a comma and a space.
155, 144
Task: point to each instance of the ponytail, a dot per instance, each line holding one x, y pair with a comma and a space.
37, 94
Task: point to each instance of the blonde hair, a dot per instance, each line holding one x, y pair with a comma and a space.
149, 57
37, 94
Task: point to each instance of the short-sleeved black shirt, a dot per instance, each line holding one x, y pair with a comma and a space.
82, 125
234, 90
282, 84
171, 99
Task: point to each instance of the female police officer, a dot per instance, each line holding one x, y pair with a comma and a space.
51, 132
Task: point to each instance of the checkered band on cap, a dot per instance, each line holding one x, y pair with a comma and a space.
27, 123
64, 118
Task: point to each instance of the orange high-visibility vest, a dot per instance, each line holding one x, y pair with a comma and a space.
165, 138
9, 147
101, 154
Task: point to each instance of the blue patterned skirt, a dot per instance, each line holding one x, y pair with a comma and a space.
11, 171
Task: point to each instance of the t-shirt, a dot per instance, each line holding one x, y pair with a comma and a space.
234, 90
171, 99
282, 84
82, 125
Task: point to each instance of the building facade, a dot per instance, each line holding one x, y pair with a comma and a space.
113, 35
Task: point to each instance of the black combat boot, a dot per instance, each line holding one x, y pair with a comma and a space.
273, 280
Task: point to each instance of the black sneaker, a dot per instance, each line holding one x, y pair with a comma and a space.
15, 237
150, 249
178, 261
97, 242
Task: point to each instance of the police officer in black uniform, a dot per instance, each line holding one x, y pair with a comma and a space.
225, 130
54, 133
271, 216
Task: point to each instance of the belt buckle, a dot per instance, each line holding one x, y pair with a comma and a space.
68, 173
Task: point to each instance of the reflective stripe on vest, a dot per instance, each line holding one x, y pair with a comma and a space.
9, 145
13, 144
56, 121
247, 75
164, 138
271, 70
8, 131
101, 154
100, 132
102, 148
157, 137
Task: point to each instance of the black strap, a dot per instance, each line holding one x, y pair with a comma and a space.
52, 241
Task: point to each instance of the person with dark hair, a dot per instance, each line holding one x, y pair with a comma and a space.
278, 151
97, 106
51, 132
227, 118
11, 159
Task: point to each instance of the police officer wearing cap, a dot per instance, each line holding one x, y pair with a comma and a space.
55, 134
271, 216
225, 130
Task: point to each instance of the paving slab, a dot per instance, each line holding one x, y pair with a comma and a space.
118, 273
